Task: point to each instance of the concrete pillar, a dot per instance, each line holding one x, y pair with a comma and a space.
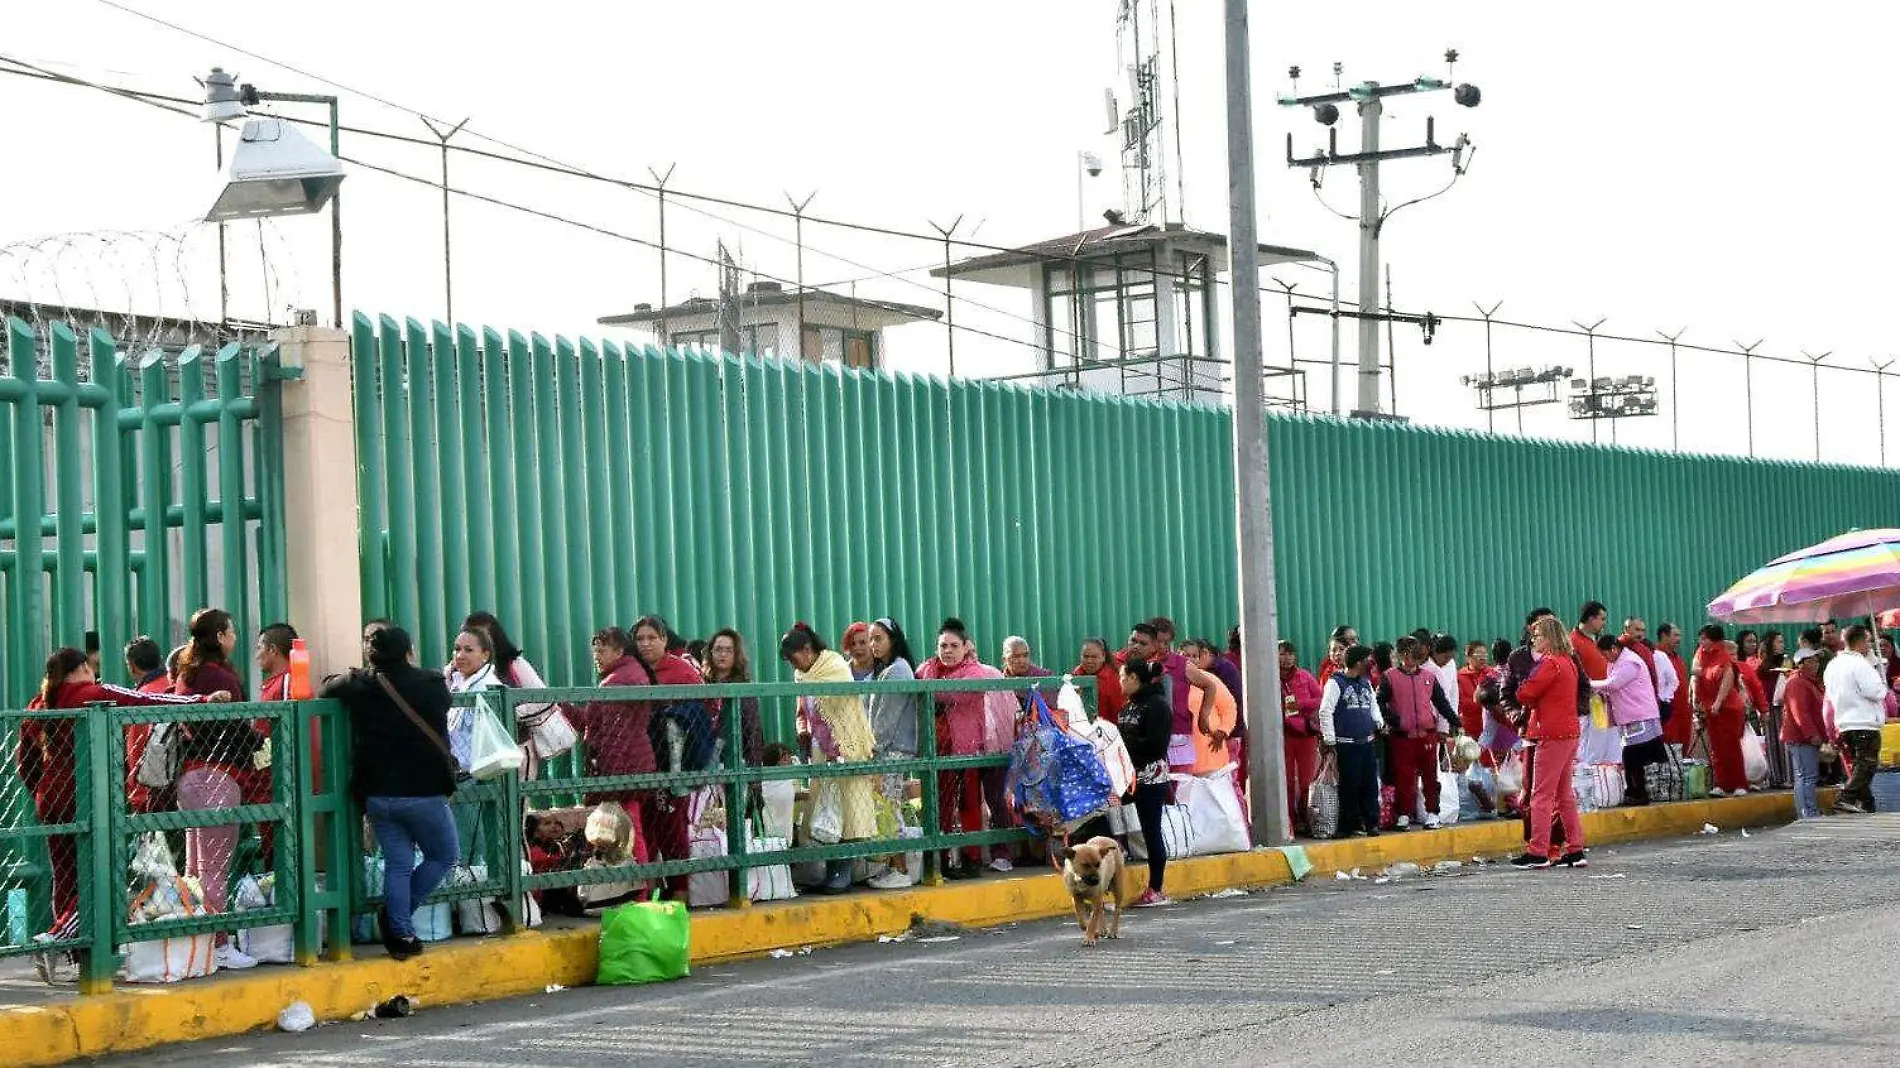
320, 505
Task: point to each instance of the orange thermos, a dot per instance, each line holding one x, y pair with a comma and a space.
300, 689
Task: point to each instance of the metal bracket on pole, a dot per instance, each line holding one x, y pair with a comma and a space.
798, 223
660, 180
1675, 398
448, 261
949, 304
1748, 389
1816, 362
1880, 403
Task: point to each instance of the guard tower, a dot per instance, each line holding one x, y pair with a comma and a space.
1129, 308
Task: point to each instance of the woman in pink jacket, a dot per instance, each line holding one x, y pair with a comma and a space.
1299, 700
969, 724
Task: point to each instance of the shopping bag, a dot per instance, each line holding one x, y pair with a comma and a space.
169, 960
492, 751
1322, 799
780, 796
1178, 830
1599, 712
276, 944
1695, 780
706, 888
549, 730
1584, 782
1213, 807
1663, 779
772, 882
1055, 779
1388, 807
1754, 757
1608, 784
645, 942
1510, 775
474, 915
827, 814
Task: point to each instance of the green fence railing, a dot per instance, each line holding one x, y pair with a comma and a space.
317, 856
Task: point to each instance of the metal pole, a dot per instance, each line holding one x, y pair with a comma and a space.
1081, 218
1259, 625
1369, 221
336, 225
1748, 389
1334, 268
949, 305
1490, 412
1590, 389
1675, 397
1816, 362
798, 231
1880, 403
224, 279
660, 180
448, 269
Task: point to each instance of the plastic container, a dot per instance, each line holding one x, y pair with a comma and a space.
300, 688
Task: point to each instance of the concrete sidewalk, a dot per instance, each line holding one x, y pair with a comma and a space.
52, 1031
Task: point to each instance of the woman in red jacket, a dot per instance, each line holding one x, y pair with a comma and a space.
1549, 698
219, 755
1720, 711
46, 763
1099, 661
1299, 702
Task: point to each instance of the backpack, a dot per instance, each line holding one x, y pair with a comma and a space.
162, 759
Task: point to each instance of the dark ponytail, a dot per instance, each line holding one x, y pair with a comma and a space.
801, 636
62, 663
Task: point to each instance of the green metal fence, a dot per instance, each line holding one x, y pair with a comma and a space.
317, 823
568, 485
138, 488
571, 485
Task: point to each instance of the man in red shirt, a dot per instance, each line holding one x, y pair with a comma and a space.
1583, 641
273, 662
145, 666
1679, 727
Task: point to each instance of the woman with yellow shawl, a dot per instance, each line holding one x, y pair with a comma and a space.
844, 809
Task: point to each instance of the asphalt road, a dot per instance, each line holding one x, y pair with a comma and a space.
1776, 948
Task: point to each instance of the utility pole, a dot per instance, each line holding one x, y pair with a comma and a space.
1675, 397
448, 262
1259, 623
949, 305
1590, 375
1880, 403
1748, 389
660, 180
1369, 97
798, 223
1490, 413
1815, 361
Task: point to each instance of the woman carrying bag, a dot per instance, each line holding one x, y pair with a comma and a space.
402, 772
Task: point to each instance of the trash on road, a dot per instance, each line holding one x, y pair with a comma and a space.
1356, 875
1381, 880
1228, 942
1342, 877
1618, 875
1387, 971
1402, 869
780, 954
931, 941
297, 1016
1445, 866
893, 938
1231, 891
1744, 832
396, 1008
554, 988
1296, 861
1632, 926
1710, 828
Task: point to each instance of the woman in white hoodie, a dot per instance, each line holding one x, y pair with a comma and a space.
471, 668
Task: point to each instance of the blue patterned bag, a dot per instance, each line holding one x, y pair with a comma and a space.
1056, 780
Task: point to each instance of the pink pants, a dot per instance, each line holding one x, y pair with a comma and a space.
1552, 795
208, 850
1415, 761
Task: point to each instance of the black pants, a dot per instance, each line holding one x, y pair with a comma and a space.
1636, 762
1863, 748
1556, 821
1358, 787
1150, 799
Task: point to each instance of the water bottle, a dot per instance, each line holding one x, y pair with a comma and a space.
300, 689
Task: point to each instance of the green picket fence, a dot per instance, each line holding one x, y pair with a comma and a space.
317, 825
140, 487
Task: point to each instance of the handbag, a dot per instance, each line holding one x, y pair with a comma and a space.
1322, 799
549, 730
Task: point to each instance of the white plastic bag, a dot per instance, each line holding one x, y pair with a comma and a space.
169, 960
1510, 775
827, 814
1754, 758
1069, 703
1322, 799
474, 915
707, 887
1213, 809
1609, 784
774, 882
530, 907
492, 752
781, 796
276, 944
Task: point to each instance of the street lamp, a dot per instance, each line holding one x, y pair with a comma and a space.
275, 169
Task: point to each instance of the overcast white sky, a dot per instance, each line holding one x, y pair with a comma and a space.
1721, 167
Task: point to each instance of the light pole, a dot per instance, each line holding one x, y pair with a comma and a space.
448, 260
1815, 362
1259, 625
275, 171
1880, 403
1675, 397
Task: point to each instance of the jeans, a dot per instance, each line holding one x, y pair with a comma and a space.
1807, 773
1862, 749
402, 824
1150, 799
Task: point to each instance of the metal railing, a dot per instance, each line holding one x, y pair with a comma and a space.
315, 822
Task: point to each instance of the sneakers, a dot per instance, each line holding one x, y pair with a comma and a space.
1528, 862
231, 958
1573, 859
1850, 806
1405, 823
1718, 792
890, 879
964, 869
1431, 821
1002, 863
1151, 898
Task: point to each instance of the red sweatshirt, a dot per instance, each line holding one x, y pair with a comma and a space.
1551, 696
1801, 719
1592, 659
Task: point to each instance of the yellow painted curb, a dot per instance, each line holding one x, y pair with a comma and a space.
134, 1018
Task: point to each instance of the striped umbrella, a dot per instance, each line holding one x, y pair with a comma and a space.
1855, 574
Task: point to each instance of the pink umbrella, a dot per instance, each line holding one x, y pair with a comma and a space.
1855, 574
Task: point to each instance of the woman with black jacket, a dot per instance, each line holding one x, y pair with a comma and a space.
402, 772
1145, 724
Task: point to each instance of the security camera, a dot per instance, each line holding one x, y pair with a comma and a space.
1092, 164
1326, 114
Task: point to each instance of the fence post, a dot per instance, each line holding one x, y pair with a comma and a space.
322, 565
94, 808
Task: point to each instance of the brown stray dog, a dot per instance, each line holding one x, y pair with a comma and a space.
1092, 872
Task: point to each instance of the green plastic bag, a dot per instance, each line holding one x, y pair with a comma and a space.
1695, 781
645, 942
